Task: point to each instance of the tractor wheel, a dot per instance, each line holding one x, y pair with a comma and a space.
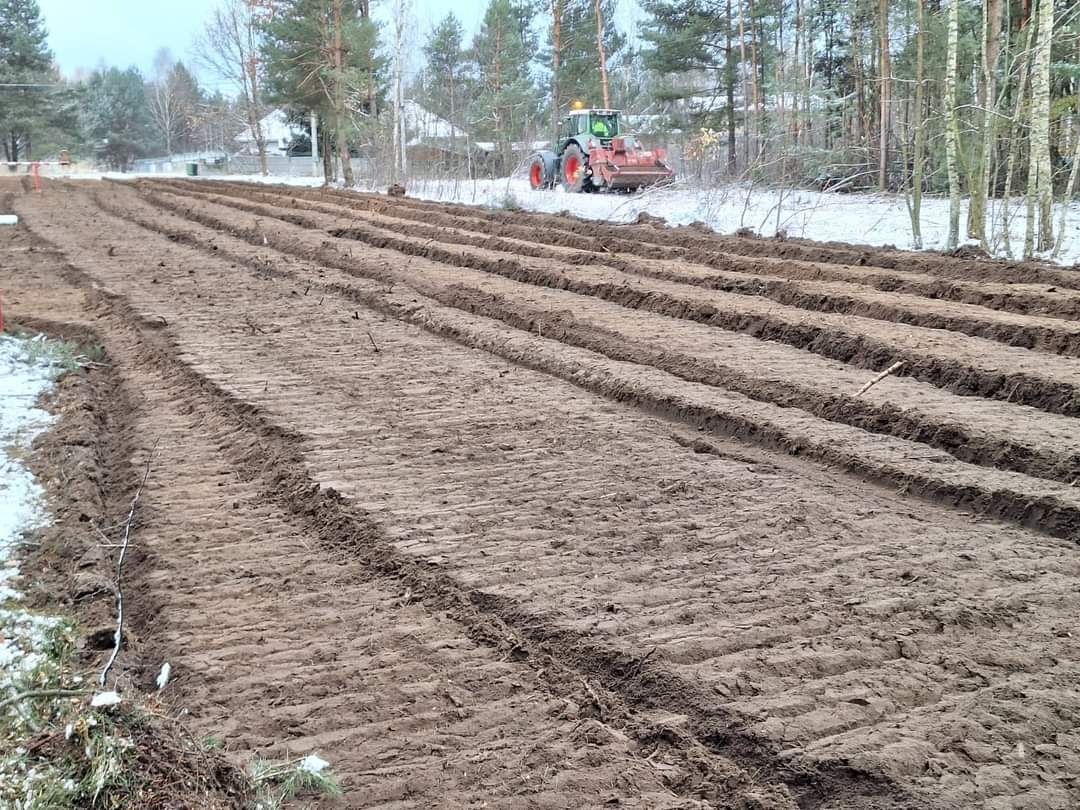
537, 172
573, 169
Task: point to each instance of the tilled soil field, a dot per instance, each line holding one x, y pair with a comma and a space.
539, 512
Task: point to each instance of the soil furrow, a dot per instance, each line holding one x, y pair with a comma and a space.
725, 600
933, 356
755, 276
703, 239
936, 476
937, 427
270, 458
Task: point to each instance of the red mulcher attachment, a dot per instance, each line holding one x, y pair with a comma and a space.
628, 166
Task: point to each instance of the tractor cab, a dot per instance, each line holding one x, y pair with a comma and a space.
581, 126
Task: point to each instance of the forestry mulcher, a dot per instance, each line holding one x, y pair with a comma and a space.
592, 154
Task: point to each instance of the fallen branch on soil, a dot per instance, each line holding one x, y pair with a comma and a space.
119, 634
374, 345
890, 370
33, 694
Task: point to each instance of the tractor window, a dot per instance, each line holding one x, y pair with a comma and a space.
604, 125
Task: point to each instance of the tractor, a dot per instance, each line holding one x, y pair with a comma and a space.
592, 154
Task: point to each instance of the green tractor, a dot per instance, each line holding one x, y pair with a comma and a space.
592, 154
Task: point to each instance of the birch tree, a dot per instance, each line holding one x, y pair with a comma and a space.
919, 157
886, 87
1040, 190
229, 48
952, 130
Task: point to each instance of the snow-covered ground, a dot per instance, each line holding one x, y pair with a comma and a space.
28, 368
861, 219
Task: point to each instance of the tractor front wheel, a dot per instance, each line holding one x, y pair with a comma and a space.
573, 169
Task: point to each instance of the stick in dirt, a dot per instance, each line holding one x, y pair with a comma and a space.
895, 367
119, 634
40, 693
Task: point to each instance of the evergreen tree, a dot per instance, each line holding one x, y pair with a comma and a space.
698, 40
116, 116
578, 70
24, 59
446, 71
320, 56
507, 98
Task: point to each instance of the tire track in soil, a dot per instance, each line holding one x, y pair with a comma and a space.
807, 285
984, 369
832, 719
702, 241
220, 451
939, 428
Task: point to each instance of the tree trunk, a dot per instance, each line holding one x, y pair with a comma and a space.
991, 31
857, 69
556, 64
886, 89
604, 89
340, 123
1040, 131
952, 130
756, 83
729, 80
747, 114
1014, 137
920, 129
329, 175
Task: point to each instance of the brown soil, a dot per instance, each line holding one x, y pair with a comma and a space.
482, 521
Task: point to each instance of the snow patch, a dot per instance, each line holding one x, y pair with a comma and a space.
857, 219
26, 373
313, 763
103, 700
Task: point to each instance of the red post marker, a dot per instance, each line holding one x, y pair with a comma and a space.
35, 172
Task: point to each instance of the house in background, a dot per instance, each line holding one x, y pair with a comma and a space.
278, 131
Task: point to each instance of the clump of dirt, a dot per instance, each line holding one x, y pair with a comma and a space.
645, 218
396, 190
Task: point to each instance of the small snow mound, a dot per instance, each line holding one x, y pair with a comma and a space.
103, 700
313, 763
163, 676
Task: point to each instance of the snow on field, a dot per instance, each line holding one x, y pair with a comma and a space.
861, 219
27, 370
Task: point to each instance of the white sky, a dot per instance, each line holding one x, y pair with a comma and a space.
84, 34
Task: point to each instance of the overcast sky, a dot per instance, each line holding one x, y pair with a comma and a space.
129, 32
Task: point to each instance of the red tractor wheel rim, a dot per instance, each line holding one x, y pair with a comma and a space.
573, 168
537, 175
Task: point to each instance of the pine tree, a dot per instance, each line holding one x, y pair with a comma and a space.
698, 39
579, 70
318, 54
116, 116
446, 69
24, 59
507, 98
